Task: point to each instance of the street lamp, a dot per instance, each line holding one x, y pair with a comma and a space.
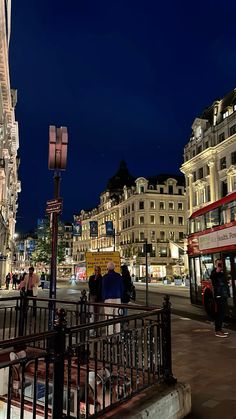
57, 158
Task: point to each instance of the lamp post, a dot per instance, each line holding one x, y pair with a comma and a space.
57, 158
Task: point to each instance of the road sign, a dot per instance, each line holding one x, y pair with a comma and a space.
54, 205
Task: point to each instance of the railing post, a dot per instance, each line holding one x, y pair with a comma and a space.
166, 342
83, 319
23, 313
60, 326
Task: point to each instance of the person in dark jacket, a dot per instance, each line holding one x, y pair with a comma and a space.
95, 292
127, 285
112, 293
221, 294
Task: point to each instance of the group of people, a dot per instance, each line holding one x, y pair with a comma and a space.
14, 279
111, 288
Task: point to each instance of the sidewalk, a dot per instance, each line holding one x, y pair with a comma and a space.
208, 364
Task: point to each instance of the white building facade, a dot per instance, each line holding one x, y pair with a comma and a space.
151, 209
210, 155
9, 144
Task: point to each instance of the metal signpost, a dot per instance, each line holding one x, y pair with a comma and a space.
58, 142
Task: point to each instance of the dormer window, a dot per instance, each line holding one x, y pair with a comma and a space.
225, 114
141, 189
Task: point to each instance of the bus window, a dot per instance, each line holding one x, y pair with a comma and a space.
206, 266
212, 218
232, 208
199, 224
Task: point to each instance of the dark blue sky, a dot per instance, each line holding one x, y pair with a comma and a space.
127, 77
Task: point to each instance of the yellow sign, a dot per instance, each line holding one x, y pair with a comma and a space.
101, 259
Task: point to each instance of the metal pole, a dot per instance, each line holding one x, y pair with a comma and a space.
53, 281
146, 263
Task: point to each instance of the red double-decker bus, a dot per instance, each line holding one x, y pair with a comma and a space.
212, 235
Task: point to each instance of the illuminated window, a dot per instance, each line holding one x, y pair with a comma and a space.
163, 252
225, 114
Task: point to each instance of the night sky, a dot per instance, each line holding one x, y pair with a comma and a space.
127, 77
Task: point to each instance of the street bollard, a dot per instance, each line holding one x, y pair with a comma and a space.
166, 342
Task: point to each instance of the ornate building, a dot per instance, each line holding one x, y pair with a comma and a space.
144, 208
9, 144
210, 155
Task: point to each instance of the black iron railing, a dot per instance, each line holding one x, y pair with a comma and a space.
83, 370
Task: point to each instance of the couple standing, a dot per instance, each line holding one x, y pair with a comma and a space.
112, 288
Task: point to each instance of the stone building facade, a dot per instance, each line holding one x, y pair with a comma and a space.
151, 209
210, 155
9, 144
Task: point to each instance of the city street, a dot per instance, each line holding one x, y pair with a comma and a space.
199, 358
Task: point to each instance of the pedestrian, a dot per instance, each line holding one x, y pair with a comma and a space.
14, 280
42, 279
221, 294
30, 286
112, 292
95, 292
127, 287
8, 280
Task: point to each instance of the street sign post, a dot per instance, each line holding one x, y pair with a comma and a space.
57, 158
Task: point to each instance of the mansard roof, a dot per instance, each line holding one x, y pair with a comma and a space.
162, 178
228, 100
121, 178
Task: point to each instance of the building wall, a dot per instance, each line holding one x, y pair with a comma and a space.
210, 155
9, 144
155, 212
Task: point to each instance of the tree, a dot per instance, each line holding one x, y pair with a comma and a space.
42, 252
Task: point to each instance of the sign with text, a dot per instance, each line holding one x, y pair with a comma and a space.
216, 239
54, 205
101, 259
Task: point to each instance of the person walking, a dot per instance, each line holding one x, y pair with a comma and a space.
127, 286
14, 280
112, 293
30, 285
95, 292
221, 294
8, 280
